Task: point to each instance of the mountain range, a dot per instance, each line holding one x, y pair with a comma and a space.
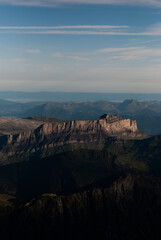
147, 114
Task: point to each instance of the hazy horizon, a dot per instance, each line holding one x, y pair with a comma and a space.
76, 96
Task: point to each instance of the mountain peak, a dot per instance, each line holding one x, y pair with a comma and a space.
111, 118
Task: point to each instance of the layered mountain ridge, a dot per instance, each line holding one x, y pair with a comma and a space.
147, 113
49, 138
112, 125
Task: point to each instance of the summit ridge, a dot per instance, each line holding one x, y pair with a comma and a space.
52, 137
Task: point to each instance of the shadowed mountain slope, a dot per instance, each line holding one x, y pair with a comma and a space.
121, 210
61, 174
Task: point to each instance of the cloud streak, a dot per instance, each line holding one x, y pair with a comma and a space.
53, 3
112, 33
63, 27
105, 30
117, 54
131, 53
78, 58
17, 60
32, 51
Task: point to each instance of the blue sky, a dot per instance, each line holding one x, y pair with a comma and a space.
111, 46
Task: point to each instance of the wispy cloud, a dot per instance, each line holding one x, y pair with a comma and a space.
92, 33
156, 60
112, 50
64, 27
32, 51
117, 54
122, 30
53, 3
155, 29
13, 60
131, 53
17, 60
79, 58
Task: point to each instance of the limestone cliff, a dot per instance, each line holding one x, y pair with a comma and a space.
50, 138
112, 125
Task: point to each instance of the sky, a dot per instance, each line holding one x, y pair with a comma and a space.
80, 46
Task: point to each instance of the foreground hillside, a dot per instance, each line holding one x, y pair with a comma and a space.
124, 208
81, 180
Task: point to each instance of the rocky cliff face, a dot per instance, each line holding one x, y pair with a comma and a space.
112, 125
49, 138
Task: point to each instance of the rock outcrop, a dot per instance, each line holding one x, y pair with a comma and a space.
112, 125
50, 138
